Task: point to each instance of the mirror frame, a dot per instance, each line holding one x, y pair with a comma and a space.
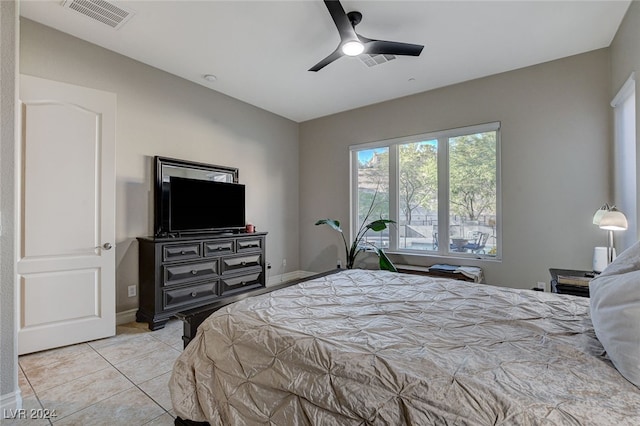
161, 195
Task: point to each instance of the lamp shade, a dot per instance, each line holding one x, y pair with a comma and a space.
613, 220
599, 213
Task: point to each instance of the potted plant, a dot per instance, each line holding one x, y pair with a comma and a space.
359, 243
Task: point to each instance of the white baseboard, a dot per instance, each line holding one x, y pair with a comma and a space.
10, 401
126, 317
295, 275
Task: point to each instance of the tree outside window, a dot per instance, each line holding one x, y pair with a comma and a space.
407, 172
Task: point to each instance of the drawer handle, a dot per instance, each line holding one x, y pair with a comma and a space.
243, 263
183, 252
219, 248
194, 294
194, 272
243, 283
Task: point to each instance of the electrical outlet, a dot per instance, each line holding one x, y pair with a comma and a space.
339, 263
541, 285
131, 291
284, 262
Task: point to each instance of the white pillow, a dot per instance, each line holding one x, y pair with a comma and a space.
628, 261
615, 312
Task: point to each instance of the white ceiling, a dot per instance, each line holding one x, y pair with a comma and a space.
260, 51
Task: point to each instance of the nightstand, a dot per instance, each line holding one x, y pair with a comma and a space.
472, 274
564, 288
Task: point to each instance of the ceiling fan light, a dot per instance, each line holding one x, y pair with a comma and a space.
352, 48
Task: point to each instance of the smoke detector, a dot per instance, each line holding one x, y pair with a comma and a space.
101, 11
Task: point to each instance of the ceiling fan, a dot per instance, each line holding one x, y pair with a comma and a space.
353, 44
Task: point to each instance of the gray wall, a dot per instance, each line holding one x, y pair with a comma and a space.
8, 329
625, 59
555, 162
625, 50
161, 114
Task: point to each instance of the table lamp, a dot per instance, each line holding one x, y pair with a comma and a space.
610, 219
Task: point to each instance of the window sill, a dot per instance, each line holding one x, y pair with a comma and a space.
452, 256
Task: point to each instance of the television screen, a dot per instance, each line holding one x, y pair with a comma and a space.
199, 205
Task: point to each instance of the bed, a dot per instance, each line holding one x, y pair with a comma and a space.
375, 347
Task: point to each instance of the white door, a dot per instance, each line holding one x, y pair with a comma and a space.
66, 248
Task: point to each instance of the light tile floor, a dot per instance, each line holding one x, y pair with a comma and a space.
121, 380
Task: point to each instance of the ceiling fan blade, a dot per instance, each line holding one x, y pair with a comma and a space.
341, 20
326, 61
381, 47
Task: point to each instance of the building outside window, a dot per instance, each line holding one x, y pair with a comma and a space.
441, 188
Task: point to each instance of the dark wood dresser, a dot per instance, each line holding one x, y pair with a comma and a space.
178, 274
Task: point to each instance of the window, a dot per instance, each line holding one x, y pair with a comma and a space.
373, 190
442, 190
625, 171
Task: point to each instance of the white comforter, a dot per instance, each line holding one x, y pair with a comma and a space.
374, 347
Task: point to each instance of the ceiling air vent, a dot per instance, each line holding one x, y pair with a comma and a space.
373, 60
101, 10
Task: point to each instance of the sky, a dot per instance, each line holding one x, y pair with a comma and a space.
366, 155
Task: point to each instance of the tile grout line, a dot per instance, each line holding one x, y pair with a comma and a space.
133, 383
165, 410
35, 394
142, 390
95, 350
117, 393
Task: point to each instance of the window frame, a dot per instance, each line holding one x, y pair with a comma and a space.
442, 137
625, 181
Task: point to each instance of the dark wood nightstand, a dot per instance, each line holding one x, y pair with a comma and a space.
564, 288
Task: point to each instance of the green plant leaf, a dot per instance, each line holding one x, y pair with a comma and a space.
379, 225
335, 224
385, 262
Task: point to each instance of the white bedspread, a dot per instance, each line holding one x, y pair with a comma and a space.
374, 347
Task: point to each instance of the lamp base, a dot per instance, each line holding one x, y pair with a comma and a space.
601, 258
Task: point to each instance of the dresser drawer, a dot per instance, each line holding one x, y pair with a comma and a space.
252, 244
217, 248
176, 274
231, 264
194, 294
243, 282
180, 252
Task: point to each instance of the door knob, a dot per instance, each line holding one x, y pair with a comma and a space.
107, 246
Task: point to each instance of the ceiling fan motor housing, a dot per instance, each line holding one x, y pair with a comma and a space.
354, 17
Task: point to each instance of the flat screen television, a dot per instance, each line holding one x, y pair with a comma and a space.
200, 205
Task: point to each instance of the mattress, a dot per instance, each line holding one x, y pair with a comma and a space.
376, 347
